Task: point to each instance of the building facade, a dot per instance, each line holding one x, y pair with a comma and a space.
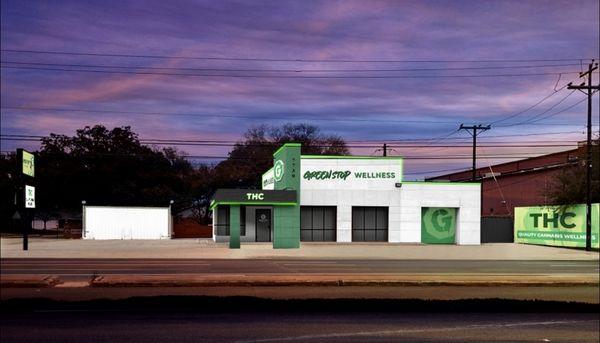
345, 199
518, 183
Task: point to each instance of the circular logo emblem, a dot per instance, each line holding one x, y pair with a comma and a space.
278, 170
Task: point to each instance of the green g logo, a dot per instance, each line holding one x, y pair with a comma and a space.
441, 220
438, 225
278, 170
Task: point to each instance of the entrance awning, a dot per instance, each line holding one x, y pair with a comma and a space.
254, 197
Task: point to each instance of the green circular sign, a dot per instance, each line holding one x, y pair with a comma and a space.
278, 170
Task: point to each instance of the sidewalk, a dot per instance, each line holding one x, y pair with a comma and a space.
206, 249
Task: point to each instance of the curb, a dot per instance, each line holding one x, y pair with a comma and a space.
29, 282
107, 281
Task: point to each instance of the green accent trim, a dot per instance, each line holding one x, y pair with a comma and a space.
442, 183
286, 145
348, 157
270, 203
401, 170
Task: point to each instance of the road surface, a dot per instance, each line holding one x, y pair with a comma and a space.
158, 326
84, 269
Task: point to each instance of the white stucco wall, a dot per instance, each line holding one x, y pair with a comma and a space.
354, 191
404, 203
463, 196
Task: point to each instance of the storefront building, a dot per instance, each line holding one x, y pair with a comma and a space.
309, 198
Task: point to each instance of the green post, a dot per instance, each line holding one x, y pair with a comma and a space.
234, 227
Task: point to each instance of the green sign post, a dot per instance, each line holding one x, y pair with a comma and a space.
438, 225
555, 225
25, 191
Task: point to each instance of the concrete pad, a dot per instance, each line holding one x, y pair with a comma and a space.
206, 249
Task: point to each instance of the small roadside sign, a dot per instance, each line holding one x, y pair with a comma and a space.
29, 196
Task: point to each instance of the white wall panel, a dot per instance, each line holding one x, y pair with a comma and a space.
465, 197
107, 222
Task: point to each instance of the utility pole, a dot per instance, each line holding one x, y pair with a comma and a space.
474, 134
588, 159
384, 149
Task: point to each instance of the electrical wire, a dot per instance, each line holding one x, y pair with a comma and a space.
255, 76
258, 59
296, 70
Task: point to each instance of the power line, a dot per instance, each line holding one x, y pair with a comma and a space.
226, 144
448, 157
284, 70
529, 120
257, 59
28, 108
374, 141
289, 76
216, 115
530, 107
535, 119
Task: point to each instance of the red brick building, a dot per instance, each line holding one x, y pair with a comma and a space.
518, 183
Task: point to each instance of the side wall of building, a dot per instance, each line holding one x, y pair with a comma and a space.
464, 197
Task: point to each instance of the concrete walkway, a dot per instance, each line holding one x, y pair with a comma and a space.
206, 249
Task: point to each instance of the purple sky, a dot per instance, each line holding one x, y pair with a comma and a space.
423, 105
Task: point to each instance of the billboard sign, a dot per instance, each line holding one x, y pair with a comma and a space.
555, 225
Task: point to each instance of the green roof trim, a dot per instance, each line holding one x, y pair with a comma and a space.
258, 203
285, 146
350, 157
442, 183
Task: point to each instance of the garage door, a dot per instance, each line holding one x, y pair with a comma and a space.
317, 223
438, 225
369, 224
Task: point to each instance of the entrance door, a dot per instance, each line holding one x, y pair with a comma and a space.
263, 225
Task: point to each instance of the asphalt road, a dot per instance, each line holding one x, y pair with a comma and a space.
83, 269
157, 326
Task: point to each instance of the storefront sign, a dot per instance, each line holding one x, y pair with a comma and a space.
249, 196
29, 196
268, 180
346, 174
555, 225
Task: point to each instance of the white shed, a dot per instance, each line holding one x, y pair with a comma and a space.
109, 222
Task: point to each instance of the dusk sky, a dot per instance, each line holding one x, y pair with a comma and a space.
341, 65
